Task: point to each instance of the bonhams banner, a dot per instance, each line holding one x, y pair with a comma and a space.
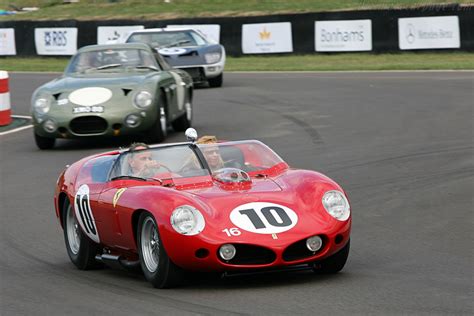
343, 36
7, 42
115, 34
429, 32
265, 38
56, 41
211, 31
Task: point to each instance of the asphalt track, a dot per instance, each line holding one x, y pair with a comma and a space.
401, 144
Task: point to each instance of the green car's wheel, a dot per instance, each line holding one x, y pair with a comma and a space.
333, 264
216, 81
44, 142
185, 121
81, 250
157, 267
157, 133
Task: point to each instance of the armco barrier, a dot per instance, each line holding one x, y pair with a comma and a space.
384, 27
5, 111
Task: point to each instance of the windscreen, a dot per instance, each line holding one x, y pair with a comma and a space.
248, 156
168, 38
111, 60
162, 163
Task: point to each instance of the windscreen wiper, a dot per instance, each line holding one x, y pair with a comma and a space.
176, 43
128, 177
147, 67
108, 66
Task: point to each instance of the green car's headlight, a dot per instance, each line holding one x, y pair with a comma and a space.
336, 205
212, 58
42, 105
143, 99
187, 220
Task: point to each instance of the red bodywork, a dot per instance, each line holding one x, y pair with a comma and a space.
299, 190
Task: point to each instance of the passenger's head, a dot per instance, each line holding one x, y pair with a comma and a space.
211, 152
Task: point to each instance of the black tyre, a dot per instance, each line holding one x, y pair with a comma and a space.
157, 267
185, 121
44, 142
157, 133
333, 264
216, 81
80, 248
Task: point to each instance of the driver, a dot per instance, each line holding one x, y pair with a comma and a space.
141, 161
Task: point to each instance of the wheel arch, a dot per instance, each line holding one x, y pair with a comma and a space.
62, 198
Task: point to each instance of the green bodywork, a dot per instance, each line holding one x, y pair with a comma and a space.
170, 88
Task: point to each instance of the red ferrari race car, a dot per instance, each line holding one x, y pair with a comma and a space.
230, 207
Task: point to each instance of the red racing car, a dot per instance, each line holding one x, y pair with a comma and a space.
230, 207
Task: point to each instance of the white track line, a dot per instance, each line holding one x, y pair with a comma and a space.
18, 128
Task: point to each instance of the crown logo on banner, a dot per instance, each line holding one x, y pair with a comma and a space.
264, 35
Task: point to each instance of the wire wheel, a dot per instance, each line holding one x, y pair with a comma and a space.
150, 245
73, 233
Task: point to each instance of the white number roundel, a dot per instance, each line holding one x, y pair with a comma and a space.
172, 51
264, 217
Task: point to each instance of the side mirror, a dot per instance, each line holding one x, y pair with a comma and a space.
191, 134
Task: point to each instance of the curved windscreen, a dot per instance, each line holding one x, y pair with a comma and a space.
112, 60
168, 38
248, 156
162, 163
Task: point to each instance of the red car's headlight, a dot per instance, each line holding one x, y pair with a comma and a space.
187, 220
336, 204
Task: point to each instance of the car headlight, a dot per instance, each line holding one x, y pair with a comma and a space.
187, 220
42, 105
212, 58
143, 99
336, 204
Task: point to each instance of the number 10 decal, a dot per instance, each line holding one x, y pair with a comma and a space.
264, 217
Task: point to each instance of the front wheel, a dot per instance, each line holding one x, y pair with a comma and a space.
184, 121
157, 133
157, 267
44, 142
81, 250
216, 81
333, 264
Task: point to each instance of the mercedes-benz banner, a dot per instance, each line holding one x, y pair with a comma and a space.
429, 32
56, 41
266, 38
343, 36
7, 42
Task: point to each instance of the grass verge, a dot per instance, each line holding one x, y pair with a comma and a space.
168, 9
313, 62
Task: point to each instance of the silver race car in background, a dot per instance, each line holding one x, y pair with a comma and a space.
187, 49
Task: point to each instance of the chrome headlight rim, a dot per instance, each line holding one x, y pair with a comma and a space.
338, 214
187, 220
42, 105
213, 57
143, 99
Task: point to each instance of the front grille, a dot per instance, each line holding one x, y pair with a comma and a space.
88, 125
298, 250
250, 254
196, 73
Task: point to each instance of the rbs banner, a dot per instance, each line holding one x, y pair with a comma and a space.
56, 41
343, 36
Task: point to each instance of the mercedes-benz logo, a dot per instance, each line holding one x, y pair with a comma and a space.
411, 34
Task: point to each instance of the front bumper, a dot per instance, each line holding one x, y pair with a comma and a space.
90, 125
200, 253
201, 73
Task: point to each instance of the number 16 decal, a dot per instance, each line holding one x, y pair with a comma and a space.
264, 218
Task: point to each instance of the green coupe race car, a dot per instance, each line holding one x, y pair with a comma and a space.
113, 90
